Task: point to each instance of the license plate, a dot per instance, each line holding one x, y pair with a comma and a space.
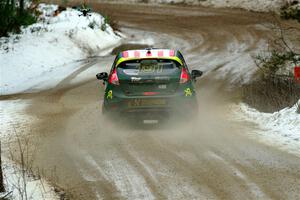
146, 102
150, 121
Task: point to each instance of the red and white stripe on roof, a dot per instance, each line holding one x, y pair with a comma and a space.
148, 53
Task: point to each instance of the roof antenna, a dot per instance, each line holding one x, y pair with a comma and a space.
148, 51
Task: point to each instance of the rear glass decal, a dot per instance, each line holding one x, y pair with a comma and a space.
131, 72
148, 67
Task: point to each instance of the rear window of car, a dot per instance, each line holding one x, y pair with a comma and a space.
151, 66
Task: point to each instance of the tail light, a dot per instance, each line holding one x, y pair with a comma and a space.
184, 77
113, 78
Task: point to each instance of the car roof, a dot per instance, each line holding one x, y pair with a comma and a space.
149, 53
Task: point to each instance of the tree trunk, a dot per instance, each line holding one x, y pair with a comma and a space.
2, 189
21, 7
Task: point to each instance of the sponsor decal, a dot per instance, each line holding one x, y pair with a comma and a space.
188, 92
131, 72
135, 79
109, 94
162, 78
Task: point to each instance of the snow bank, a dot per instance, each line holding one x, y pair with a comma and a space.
14, 119
18, 186
254, 5
281, 128
50, 48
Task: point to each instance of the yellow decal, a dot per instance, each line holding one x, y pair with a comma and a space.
109, 94
188, 92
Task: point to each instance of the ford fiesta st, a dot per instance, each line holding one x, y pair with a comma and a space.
149, 85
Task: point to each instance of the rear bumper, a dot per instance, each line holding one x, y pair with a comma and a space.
174, 104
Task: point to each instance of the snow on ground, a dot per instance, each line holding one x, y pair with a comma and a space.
46, 52
18, 187
281, 128
14, 119
14, 123
253, 5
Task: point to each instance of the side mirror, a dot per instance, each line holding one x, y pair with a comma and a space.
196, 74
102, 76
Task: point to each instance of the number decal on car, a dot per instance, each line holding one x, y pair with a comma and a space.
151, 68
